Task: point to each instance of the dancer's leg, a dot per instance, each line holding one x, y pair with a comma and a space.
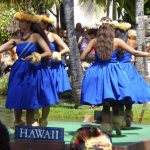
106, 124
45, 112
30, 117
128, 115
18, 115
116, 118
36, 115
122, 116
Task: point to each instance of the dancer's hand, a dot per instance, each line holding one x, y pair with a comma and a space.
56, 56
28, 58
34, 58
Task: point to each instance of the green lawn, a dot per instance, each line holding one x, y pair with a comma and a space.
67, 112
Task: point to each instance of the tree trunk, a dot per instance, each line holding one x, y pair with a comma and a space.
108, 7
114, 10
58, 20
62, 17
76, 69
141, 62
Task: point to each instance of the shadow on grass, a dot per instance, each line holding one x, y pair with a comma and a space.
118, 136
91, 125
64, 105
132, 128
132, 133
122, 143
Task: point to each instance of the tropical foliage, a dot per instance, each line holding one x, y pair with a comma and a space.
147, 8
3, 85
6, 17
97, 2
36, 5
126, 9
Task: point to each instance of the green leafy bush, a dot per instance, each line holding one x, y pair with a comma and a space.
4, 84
5, 24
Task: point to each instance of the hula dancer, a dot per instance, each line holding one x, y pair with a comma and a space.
56, 66
110, 84
31, 83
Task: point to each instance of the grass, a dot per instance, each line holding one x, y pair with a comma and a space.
3, 84
67, 112
137, 111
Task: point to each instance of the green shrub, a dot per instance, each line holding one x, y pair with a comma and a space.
4, 84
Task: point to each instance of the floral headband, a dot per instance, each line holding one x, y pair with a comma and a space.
27, 17
46, 19
122, 26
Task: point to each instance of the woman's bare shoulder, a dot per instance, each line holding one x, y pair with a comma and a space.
35, 35
93, 40
52, 36
117, 40
116, 43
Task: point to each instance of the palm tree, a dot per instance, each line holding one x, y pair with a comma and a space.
104, 5
126, 9
108, 7
141, 38
129, 9
114, 10
76, 69
96, 2
141, 62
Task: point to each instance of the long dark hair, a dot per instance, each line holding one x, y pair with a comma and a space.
51, 28
36, 28
104, 41
124, 36
4, 137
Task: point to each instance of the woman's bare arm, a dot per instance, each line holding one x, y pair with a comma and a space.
46, 49
88, 49
118, 43
80, 40
8, 45
13, 54
63, 46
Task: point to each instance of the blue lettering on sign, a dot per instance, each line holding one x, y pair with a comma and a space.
39, 133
